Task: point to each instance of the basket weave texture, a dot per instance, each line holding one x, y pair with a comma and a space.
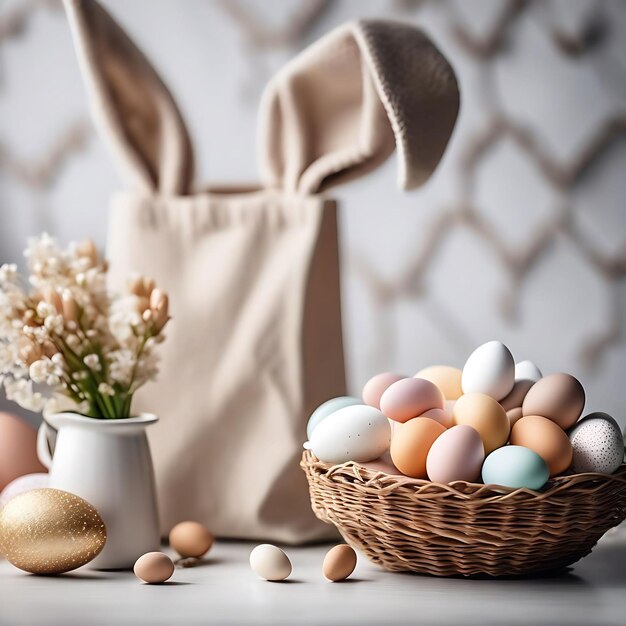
465, 529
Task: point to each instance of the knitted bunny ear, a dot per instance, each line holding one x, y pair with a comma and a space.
338, 109
130, 105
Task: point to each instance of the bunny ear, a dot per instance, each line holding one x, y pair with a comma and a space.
338, 109
131, 106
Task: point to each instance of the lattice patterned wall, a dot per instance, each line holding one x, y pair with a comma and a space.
521, 234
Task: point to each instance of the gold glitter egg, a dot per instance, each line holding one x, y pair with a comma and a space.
49, 531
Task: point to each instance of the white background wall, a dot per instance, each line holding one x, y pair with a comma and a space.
525, 244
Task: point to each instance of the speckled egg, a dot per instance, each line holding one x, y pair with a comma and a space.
447, 378
597, 444
328, 408
358, 433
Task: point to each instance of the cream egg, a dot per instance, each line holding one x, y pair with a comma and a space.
270, 563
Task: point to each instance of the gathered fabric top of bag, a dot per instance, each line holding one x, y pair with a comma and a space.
333, 113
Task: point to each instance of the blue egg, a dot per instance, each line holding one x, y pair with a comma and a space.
515, 466
328, 407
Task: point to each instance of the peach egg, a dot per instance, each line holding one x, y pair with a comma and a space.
411, 443
545, 438
447, 378
486, 415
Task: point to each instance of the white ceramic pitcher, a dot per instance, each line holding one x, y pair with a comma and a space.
108, 463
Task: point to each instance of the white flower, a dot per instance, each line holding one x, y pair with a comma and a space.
54, 323
121, 366
105, 389
93, 362
40, 370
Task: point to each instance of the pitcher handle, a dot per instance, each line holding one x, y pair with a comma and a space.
43, 445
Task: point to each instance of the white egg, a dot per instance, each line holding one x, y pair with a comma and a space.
270, 563
328, 408
598, 444
527, 370
490, 369
355, 433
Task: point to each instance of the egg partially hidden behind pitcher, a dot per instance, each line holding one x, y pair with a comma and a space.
18, 449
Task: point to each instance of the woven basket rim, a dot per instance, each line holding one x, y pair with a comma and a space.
366, 477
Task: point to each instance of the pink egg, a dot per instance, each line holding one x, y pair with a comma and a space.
457, 454
439, 415
23, 484
377, 385
18, 449
409, 398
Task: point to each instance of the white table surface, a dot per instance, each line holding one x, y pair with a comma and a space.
223, 590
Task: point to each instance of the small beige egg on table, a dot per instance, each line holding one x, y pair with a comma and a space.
154, 568
339, 563
190, 539
270, 563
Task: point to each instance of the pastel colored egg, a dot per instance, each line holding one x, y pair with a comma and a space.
411, 443
483, 413
409, 398
22, 484
339, 563
357, 433
328, 408
516, 396
457, 454
439, 415
557, 397
154, 568
516, 467
270, 563
190, 539
18, 449
514, 415
377, 385
527, 370
545, 438
447, 378
490, 370
597, 443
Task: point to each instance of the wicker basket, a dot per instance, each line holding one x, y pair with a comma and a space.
465, 529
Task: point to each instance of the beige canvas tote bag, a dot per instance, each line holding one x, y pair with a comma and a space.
255, 343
